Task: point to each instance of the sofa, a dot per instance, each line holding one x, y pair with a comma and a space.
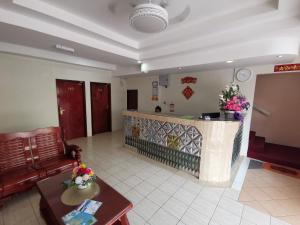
27, 157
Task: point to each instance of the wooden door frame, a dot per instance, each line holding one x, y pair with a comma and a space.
109, 102
84, 104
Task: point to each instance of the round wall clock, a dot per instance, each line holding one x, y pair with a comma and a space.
243, 74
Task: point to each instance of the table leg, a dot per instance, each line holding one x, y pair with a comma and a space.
45, 211
124, 220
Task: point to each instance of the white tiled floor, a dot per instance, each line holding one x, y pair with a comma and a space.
160, 195
272, 192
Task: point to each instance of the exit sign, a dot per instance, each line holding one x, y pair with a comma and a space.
287, 67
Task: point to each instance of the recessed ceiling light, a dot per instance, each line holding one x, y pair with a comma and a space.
229, 61
144, 68
279, 56
139, 61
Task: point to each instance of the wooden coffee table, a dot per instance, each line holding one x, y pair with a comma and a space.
113, 210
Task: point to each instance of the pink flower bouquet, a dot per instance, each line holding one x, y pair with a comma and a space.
232, 100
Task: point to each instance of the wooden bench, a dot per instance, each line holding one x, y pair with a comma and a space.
27, 157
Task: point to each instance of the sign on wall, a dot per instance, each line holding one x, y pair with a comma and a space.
287, 67
189, 80
155, 91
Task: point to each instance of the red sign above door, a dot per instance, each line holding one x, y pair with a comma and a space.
287, 67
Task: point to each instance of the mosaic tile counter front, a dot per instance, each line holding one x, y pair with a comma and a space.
183, 142
188, 144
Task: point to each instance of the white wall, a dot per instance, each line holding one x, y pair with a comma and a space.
28, 92
144, 86
205, 98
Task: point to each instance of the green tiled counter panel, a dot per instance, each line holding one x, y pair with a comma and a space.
174, 158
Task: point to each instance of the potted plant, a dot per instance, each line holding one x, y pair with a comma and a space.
82, 177
233, 103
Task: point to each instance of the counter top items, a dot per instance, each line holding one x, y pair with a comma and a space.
210, 115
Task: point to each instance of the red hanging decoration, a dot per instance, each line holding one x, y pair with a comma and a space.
188, 92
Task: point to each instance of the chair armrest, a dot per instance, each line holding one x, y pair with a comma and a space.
73, 151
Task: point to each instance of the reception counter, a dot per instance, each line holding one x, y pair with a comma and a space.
205, 148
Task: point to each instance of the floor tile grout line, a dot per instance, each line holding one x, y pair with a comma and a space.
36, 217
190, 204
242, 215
145, 197
210, 220
161, 207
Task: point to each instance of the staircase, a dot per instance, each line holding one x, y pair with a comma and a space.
273, 153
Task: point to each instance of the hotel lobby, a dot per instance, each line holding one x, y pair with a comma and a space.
158, 112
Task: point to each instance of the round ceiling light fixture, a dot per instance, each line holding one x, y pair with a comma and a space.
149, 18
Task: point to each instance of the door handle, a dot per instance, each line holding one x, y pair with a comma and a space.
61, 111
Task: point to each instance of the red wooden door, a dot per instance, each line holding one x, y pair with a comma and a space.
132, 99
101, 107
71, 108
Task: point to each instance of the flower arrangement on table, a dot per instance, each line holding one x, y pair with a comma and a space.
231, 100
82, 176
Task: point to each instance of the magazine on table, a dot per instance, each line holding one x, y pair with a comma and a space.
89, 206
79, 218
84, 214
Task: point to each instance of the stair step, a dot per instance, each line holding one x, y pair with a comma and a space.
252, 133
259, 144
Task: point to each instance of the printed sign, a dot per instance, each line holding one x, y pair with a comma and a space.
189, 80
287, 67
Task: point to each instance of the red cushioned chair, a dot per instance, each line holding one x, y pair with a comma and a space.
27, 157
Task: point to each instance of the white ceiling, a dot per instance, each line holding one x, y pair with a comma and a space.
98, 12
99, 31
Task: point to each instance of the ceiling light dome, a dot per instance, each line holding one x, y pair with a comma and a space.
149, 18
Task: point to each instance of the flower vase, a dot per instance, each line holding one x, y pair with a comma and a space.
82, 186
229, 115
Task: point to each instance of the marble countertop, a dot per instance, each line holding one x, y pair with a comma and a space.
173, 115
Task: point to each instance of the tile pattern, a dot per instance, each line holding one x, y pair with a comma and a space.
273, 193
237, 143
189, 138
161, 195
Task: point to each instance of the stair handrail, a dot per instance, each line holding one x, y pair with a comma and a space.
261, 110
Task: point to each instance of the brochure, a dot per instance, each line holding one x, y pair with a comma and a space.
84, 214
89, 206
79, 218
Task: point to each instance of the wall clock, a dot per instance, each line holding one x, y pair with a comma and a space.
244, 74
